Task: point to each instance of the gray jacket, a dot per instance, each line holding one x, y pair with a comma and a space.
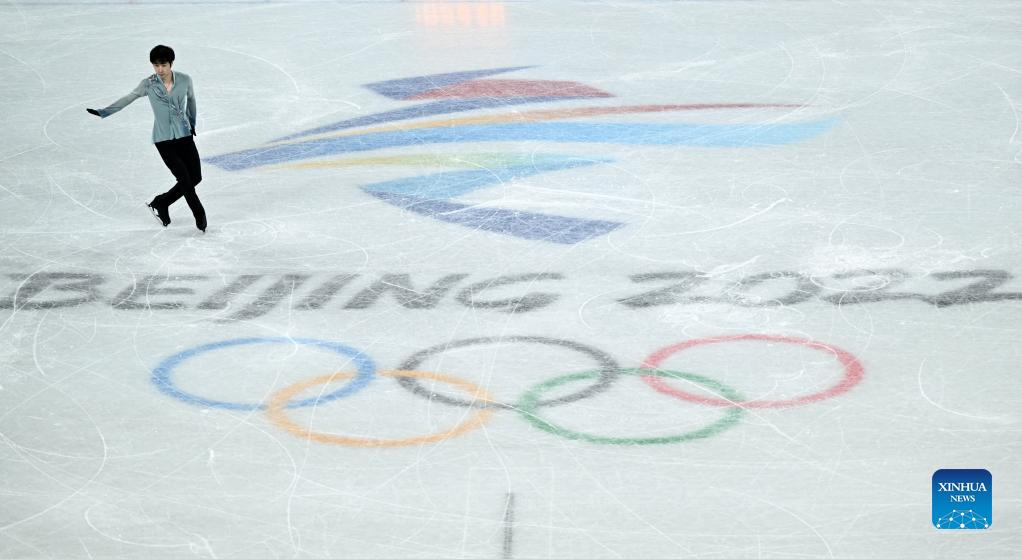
174, 112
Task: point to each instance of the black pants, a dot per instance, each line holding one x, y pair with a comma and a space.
182, 159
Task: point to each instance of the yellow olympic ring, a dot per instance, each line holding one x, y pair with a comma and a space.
275, 410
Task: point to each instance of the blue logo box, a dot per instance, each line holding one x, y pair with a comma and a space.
962, 499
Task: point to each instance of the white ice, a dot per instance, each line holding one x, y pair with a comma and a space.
890, 240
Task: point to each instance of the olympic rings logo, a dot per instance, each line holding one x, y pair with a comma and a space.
409, 376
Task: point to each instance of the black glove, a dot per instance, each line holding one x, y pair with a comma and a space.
193, 131
94, 112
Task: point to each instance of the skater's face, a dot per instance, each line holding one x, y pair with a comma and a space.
162, 69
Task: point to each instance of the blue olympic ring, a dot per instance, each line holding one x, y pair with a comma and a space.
162, 373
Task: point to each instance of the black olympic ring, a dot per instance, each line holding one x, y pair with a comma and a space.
608, 371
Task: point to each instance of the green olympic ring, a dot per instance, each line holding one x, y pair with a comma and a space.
528, 406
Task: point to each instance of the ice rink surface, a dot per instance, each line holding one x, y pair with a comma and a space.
513, 280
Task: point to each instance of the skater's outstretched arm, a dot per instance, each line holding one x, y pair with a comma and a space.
122, 102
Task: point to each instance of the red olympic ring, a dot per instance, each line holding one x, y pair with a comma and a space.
853, 370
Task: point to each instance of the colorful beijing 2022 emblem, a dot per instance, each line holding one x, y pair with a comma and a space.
460, 172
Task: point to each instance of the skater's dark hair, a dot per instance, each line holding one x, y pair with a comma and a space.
161, 54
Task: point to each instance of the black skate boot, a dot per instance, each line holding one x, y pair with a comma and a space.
159, 211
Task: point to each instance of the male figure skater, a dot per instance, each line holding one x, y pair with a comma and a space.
173, 101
